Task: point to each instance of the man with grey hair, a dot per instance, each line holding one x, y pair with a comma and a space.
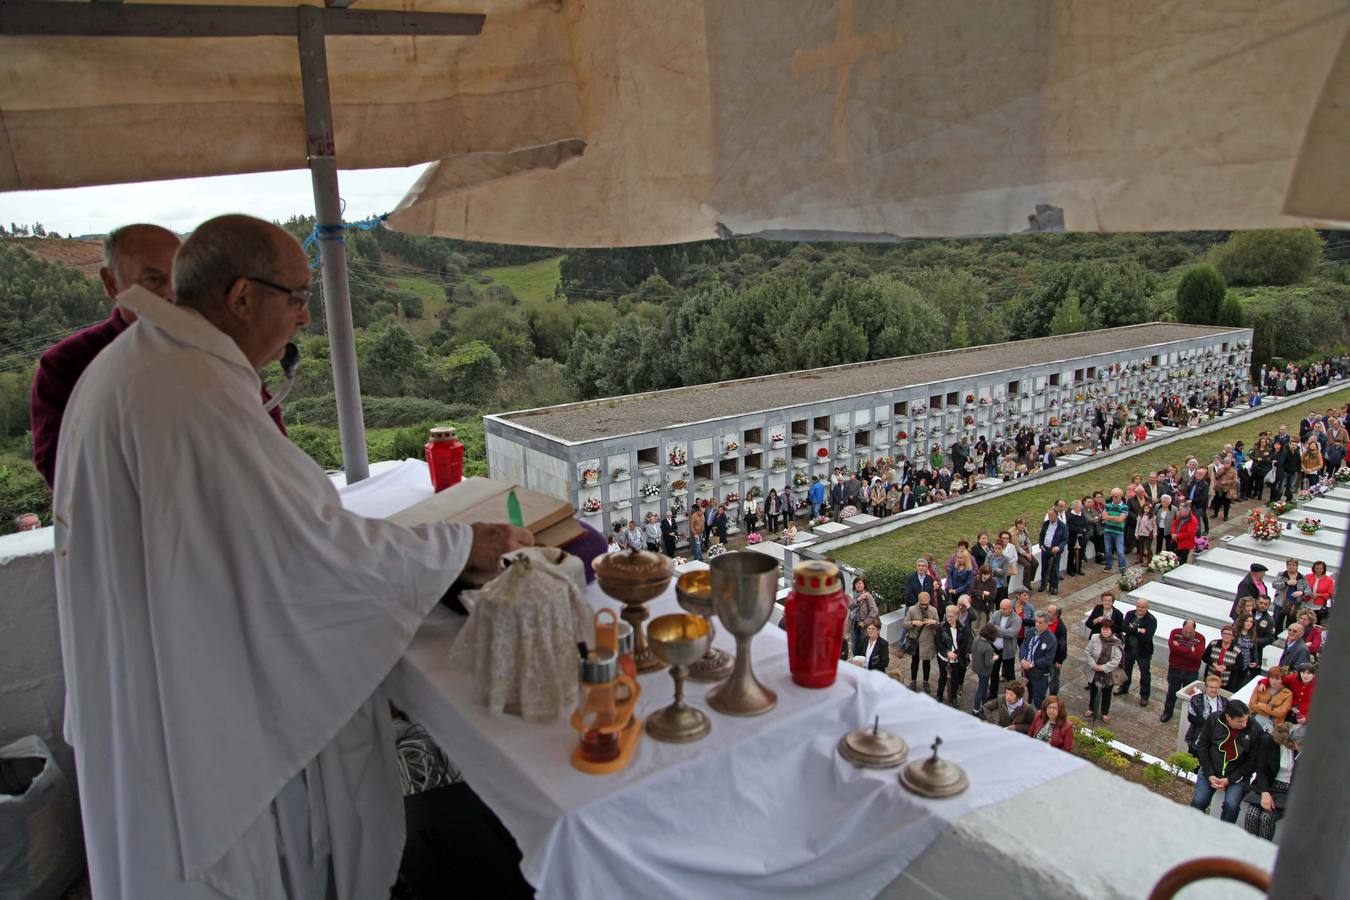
226, 624
1038, 659
133, 255
27, 522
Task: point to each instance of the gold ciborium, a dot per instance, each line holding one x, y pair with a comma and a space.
678, 640
635, 578
743, 588
694, 592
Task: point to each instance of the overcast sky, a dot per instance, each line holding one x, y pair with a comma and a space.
183, 204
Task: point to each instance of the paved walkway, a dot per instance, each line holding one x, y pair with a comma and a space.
1132, 724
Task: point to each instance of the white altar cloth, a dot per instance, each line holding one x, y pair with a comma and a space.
762, 807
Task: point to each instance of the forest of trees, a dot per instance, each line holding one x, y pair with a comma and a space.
439, 339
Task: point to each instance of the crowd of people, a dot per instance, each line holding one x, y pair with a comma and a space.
885, 486
972, 613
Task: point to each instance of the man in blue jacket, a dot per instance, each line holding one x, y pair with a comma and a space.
816, 495
1054, 538
1038, 659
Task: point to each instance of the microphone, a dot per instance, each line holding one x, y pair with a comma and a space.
290, 362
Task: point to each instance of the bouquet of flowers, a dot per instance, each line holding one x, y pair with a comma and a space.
731, 498
818, 521
885, 462
920, 408
1054, 422
848, 511
803, 504
730, 447
1280, 506
970, 420
841, 449
590, 476
779, 463
754, 537
677, 456
1303, 496
679, 560
823, 453
777, 438
985, 401
591, 505
650, 491
1132, 578
1164, 562
755, 493
1264, 525
716, 550
1310, 526
920, 431
902, 435
800, 480
677, 507
678, 485
617, 473
970, 398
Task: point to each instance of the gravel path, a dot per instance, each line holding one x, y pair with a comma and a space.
647, 412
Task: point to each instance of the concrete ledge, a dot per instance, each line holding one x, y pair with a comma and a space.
1087, 835
858, 534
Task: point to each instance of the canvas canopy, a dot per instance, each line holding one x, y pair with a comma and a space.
869, 120
629, 122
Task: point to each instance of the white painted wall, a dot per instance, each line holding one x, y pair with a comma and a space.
32, 685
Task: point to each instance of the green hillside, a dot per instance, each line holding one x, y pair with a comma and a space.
531, 281
434, 304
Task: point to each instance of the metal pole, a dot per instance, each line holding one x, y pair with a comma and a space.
1314, 858
322, 153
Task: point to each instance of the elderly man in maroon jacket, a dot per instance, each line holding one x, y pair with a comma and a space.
132, 255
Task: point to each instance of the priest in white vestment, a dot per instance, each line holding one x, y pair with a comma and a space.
225, 624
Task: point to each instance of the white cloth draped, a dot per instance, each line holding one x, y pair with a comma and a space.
225, 625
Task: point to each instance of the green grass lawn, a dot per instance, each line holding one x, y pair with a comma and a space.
532, 281
940, 534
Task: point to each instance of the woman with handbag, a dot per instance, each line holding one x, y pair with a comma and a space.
1103, 671
1260, 459
1291, 591
1322, 588
861, 612
1023, 542
1311, 464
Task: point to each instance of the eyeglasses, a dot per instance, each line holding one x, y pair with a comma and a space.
299, 297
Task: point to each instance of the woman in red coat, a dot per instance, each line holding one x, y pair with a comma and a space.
1052, 725
1302, 683
1184, 530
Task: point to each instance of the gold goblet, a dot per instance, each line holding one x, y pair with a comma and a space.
694, 592
635, 578
678, 640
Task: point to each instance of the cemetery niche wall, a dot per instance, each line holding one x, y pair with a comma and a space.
620, 458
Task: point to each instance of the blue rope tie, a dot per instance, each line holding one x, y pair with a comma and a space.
336, 233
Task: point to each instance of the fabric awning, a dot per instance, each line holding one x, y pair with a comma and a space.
873, 120
629, 122
94, 110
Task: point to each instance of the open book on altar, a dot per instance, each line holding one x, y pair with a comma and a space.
484, 500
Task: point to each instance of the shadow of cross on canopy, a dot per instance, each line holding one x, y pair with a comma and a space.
841, 56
